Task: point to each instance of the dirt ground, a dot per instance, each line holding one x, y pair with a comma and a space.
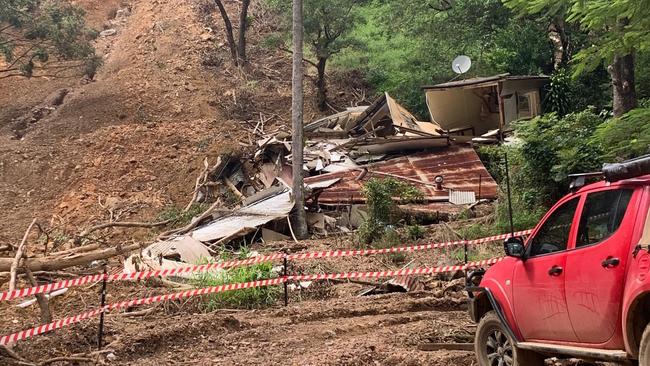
343, 330
327, 323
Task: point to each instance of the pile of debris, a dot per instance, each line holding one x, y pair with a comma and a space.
342, 152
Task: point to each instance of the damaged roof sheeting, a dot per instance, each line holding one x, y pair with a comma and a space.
247, 218
459, 166
176, 253
384, 117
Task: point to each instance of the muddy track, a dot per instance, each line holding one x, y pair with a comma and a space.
354, 331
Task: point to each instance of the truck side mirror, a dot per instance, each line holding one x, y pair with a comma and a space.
514, 247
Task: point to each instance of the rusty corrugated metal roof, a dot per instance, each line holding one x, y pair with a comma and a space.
460, 167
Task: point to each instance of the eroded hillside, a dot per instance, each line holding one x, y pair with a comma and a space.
132, 141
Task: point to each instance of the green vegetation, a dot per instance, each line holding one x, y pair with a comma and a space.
39, 35
415, 232
551, 148
625, 137
180, 217
407, 44
327, 25
382, 196
247, 298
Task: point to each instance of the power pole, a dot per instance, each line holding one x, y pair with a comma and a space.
300, 217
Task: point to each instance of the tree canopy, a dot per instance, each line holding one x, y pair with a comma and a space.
37, 35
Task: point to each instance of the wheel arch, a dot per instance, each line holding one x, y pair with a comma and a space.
636, 320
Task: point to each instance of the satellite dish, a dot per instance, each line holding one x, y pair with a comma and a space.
461, 64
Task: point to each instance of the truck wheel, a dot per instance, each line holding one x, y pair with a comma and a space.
644, 348
494, 348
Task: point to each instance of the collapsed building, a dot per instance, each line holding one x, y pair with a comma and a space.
345, 150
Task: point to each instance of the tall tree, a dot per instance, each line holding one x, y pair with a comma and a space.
237, 50
618, 28
38, 38
300, 218
327, 25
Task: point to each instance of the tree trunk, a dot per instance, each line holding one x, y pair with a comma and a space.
320, 84
300, 217
243, 25
557, 35
229, 34
624, 91
55, 262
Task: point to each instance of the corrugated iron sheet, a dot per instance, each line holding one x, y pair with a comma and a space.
462, 197
246, 218
460, 167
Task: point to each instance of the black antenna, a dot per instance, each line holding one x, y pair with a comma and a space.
512, 225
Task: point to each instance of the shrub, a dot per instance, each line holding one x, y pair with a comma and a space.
553, 148
381, 196
391, 239
415, 232
626, 137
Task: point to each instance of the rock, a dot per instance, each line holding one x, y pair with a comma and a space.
56, 98
108, 32
122, 13
206, 37
111, 356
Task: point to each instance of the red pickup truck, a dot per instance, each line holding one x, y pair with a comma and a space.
579, 285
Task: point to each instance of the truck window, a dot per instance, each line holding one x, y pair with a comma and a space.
553, 236
602, 215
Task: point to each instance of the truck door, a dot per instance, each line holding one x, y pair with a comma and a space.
595, 268
538, 282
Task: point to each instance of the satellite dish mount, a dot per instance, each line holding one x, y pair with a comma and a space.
461, 64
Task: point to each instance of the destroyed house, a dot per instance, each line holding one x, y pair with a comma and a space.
483, 106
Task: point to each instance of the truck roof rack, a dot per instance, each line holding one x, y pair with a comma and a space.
614, 172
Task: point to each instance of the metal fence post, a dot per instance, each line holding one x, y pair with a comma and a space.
100, 334
286, 290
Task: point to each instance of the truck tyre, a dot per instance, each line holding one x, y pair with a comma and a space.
644, 348
495, 348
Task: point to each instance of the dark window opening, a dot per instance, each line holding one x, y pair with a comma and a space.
602, 215
553, 236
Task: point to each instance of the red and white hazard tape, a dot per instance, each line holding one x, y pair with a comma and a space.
401, 272
9, 295
24, 334
411, 248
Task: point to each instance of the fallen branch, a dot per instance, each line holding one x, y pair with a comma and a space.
192, 224
352, 280
19, 360
291, 230
83, 249
46, 315
121, 224
67, 359
200, 180
54, 263
234, 189
19, 254
129, 314
446, 346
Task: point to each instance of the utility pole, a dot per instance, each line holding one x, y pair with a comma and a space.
300, 217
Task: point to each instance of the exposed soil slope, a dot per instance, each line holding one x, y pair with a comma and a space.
131, 141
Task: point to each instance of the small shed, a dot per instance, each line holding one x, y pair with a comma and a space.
482, 105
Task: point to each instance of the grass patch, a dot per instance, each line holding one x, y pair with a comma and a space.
248, 298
